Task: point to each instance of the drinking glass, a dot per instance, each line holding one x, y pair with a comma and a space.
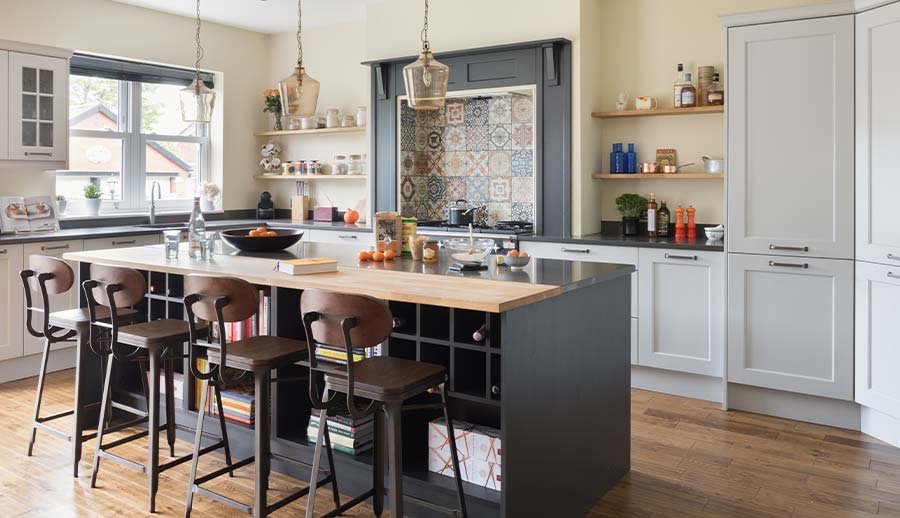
171, 240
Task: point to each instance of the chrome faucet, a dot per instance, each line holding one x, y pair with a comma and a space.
155, 188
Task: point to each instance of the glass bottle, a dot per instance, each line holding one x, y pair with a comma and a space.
663, 220
196, 231
688, 92
716, 95
679, 80
631, 160
651, 216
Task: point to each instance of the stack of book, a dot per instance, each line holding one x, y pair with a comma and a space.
348, 435
238, 404
338, 355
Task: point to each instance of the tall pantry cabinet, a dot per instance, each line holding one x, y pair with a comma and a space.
877, 225
790, 206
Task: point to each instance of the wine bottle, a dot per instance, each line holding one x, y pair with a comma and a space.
679, 80
663, 220
688, 92
651, 216
480, 334
196, 232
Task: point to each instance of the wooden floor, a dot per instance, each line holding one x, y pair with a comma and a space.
689, 459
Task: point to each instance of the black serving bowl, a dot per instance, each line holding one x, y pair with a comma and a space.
240, 239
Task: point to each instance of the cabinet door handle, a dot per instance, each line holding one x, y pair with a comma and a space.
893, 275
35, 153
3, 252
893, 257
131, 242
576, 250
789, 265
688, 257
346, 236
790, 248
58, 247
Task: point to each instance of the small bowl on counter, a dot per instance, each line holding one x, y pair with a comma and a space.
516, 262
469, 252
243, 241
715, 233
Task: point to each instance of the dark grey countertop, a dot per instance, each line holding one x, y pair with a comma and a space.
701, 243
131, 230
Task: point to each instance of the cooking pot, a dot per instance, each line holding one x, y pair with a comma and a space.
713, 165
648, 167
462, 214
672, 169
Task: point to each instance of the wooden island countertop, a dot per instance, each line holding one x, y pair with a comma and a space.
496, 290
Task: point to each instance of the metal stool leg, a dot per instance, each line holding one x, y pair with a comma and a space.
80, 390
39, 395
170, 400
198, 437
395, 457
335, 495
223, 427
317, 454
101, 424
460, 496
378, 464
153, 429
261, 447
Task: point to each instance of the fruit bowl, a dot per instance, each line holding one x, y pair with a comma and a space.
240, 239
516, 262
469, 253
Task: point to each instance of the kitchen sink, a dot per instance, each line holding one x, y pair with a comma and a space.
165, 226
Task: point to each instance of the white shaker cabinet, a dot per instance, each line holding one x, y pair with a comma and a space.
4, 105
877, 135
682, 310
363, 239
790, 138
59, 302
11, 302
878, 337
790, 324
103, 243
38, 91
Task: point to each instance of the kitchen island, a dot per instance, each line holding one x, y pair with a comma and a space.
552, 372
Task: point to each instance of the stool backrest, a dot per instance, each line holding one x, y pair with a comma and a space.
131, 283
46, 276
242, 298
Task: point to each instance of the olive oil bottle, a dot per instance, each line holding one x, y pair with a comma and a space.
663, 218
651, 216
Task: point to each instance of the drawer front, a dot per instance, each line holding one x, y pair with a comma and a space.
589, 253
363, 239
105, 243
59, 302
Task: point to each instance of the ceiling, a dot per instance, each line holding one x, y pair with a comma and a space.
263, 15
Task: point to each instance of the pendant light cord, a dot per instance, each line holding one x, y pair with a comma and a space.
299, 33
199, 47
426, 47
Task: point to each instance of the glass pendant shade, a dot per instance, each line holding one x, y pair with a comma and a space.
197, 102
299, 94
426, 82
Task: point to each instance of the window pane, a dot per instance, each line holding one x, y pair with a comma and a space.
92, 160
46, 81
175, 165
93, 103
29, 80
29, 107
161, 111
46, 134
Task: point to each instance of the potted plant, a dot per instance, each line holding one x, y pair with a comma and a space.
211, 193
273, 105
92, 199
61, 203
630, 207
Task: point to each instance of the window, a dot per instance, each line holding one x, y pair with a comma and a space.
126, 133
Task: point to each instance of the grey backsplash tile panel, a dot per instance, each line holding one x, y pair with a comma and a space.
477, 149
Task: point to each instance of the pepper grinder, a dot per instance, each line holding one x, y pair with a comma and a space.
691, 226
679, 223
265, 209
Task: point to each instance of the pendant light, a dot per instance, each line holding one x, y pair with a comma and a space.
426, 78
197, 101
299, 92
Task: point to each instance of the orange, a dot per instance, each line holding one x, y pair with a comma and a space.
523, 254
365, 255
389, 255
270, 233
378, 256
262, 230
512, 253
253, 233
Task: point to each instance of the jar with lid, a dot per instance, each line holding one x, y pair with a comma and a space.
307, 123
313, 167
361, 116
430, 252
339, 165
321, 121
716, 95
332, 118
348, 121
356, 165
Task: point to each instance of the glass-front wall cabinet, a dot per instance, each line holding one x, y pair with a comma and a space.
38, 93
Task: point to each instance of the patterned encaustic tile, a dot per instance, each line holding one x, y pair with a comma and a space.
500, 163
421, 163
523, 212
407, 163
435, 162
523, 162
455, 110
522, 108
523, 189
456, 188
455, 138
477, 188
436, 138
420, 210
523, 136
478, 138
500, 110
501, 136
437, 189
477, 163
498, 211
422, 135
407, 189
476, 112
500, 188
454, 163
420, 185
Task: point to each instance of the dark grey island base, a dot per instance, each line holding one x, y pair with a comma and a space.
553, 375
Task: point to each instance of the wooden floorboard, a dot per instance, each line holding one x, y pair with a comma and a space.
689, 459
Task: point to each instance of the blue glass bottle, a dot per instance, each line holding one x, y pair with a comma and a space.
612, 160
631, 160
619, 160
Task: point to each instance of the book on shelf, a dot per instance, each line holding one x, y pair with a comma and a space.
307, 266
177, 382
311, 435
342, 440
344, 429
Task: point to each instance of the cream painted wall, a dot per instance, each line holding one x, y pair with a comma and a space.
332, 55
106, 27
638, 45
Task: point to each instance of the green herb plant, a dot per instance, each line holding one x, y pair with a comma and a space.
91, 192
631, 205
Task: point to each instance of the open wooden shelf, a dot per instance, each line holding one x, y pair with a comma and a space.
306, 177
659, 111
659, 176
354, 129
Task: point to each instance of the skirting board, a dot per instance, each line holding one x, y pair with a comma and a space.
677, 383
881, 426
800, 407
28, 366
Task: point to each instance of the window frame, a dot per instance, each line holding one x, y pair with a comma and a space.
133, 174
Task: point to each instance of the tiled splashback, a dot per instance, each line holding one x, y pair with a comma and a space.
480, 149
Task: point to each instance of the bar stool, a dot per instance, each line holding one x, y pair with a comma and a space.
223, 300
153, 342
360, 322
53, 276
